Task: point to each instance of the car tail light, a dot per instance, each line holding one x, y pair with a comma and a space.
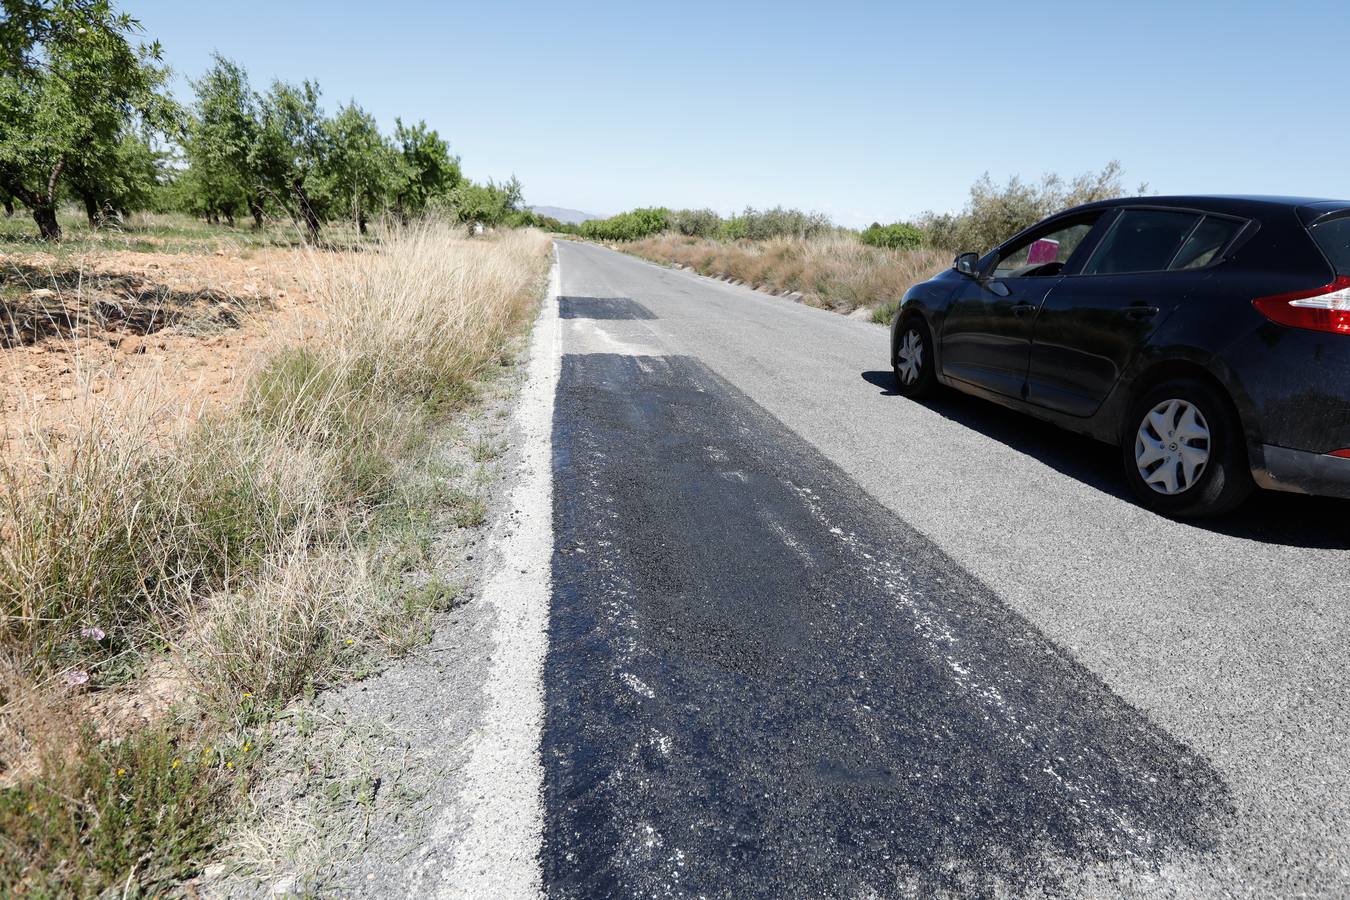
1343, 454
1324, 309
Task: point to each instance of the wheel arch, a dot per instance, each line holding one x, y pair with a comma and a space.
1172, 370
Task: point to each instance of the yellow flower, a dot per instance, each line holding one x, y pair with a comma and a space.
229, 765
247, 695
121, 772
349, 641
176, 763
31, 807
247, 746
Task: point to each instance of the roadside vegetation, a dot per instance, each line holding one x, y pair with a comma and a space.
788, 251
836, 272
233, 335
170, 581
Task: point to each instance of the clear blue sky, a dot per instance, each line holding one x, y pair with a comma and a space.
862, 111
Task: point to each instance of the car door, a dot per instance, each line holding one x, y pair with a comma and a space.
986, 336
1096, 318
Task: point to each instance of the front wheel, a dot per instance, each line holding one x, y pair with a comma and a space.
1184, 452
914, 364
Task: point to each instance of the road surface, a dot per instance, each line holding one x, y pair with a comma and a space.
809, 638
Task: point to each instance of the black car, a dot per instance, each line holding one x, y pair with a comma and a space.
1208, 337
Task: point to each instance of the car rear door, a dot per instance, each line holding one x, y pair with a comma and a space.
986, 335
1096, 319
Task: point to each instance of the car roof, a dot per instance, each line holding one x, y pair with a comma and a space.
1307, 208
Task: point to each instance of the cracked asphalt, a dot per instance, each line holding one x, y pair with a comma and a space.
809, 638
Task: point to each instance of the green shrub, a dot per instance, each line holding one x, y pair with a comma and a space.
762, 225
885, 311
900, 236
993, 214
696, 222
144, 812
628, 226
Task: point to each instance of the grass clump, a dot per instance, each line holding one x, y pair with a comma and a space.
143, 811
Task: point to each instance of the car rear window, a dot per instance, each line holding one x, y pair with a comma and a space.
1141, 240
1334, 239
1206, 242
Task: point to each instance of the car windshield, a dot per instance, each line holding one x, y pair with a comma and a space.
1334, 239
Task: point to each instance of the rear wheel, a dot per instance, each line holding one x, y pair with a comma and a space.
914, 363
1183, 451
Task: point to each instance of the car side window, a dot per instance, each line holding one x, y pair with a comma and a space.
1141, 240
1206, 242
1044, 253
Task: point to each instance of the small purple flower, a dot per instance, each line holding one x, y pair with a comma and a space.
75, 677
93, 633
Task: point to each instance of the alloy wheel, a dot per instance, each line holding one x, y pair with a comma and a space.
909, 361
1172, 447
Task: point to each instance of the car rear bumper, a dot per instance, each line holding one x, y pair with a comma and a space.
1282, 469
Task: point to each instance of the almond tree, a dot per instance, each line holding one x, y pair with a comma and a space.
71, 88
425, 169
289, 153
358, 170
223, 130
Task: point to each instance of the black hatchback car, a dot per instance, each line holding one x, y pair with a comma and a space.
1208, 337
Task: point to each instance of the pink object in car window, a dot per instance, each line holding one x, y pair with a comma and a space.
1042, 251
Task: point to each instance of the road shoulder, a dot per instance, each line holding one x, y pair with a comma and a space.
425, 779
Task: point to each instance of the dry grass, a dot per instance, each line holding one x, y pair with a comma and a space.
259, 551
836, 272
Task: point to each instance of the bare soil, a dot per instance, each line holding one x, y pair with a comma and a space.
184, 328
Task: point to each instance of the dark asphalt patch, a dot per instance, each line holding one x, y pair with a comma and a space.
760, 682
602, 308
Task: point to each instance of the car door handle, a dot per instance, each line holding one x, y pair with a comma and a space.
1022, 308
1141, 311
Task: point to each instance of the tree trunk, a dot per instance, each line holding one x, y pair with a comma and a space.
229, 217
255, 207
9, 207
361, 222
48, 227
91, 209
312, 223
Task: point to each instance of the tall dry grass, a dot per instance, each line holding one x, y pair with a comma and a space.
836, 271
248, 550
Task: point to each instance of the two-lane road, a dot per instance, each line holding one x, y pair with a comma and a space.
811, 638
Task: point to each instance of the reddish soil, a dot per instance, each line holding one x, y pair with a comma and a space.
182, 329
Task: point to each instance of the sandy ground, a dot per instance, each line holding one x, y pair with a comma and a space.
175, 331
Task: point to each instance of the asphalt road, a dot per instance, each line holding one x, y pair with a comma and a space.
809, 638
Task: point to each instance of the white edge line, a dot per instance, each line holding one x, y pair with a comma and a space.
497, 821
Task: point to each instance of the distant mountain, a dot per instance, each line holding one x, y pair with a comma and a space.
564, 215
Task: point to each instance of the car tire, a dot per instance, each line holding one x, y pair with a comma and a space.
1184, 451
913, 360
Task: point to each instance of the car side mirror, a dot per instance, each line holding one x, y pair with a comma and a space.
967, 264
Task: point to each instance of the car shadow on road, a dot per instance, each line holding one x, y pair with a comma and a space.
1269, 516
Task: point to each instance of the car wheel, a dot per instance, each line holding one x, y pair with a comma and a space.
914, 363
1184, 451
